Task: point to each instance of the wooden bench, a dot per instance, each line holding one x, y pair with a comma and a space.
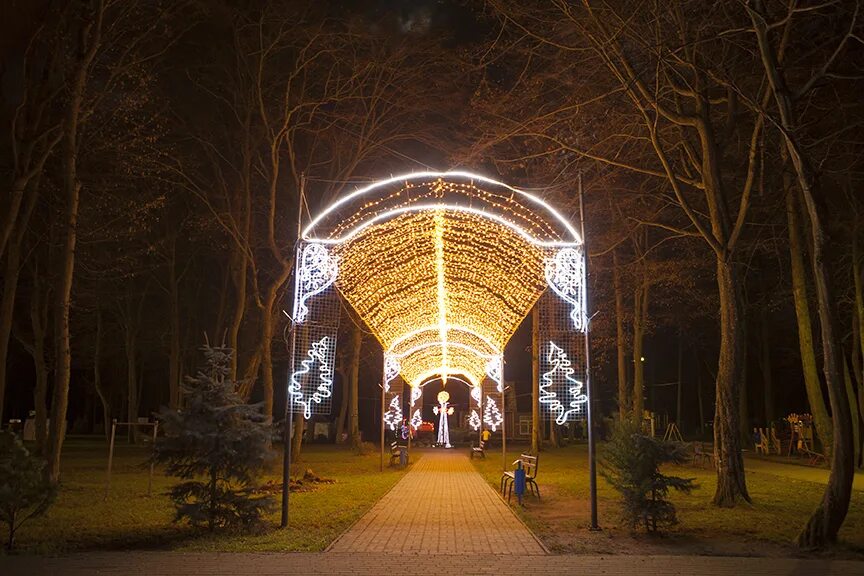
396, 453
478, 450
813, 458
701, 456
529, 464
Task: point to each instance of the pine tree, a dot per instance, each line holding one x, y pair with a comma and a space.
25, 491
217, 444
631, 464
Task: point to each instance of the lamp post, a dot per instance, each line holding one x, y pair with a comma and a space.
592, 456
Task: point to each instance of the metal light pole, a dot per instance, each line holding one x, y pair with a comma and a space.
289, 411
383, 385
592, 456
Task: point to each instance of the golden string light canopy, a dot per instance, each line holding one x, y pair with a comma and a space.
442, 267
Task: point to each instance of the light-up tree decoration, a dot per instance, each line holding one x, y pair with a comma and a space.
561, 372
318, 355
442, 411
416, 419
474, 420
491, 415
393, 416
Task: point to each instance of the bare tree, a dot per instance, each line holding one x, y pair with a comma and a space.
788, 95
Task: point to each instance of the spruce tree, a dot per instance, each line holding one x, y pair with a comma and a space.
631, 464
25, 491
217, 444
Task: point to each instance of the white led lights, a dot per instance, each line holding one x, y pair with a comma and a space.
317, 354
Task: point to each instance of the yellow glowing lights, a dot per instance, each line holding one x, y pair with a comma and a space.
441, 267
442, 293
443, 396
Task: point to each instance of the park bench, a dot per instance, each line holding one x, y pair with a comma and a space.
478, 450
529, 464
813, 458
701, 456
396, 450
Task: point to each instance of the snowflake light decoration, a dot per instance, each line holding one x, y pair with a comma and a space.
316, 271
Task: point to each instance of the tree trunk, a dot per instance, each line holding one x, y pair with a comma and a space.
853, 410
91, 37
678, 396
7, 312
813, 386
536, 423
640, 315
620, 341
766, 365
729, 463
354, 386
174, 393
97, 375
39, 322
699, 395
823, 525
343, 408
238, 274
131, 350
297, 439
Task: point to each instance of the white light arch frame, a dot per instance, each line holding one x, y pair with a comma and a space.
574, 236
564, 271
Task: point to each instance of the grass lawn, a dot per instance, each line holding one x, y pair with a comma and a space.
783, 496
81, 518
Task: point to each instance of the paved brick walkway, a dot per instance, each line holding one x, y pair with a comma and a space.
214, 564
441, 506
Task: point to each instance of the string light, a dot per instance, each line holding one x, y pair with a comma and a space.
393, 416
565, 274
442, 267
474, 420
317, 271
561, 372
491, 415
317, 354
493, 190
416, 419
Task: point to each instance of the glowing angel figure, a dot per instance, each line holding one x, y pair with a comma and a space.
442, 411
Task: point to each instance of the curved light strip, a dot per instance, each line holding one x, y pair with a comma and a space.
433, 207
449, 377
454, 174
434, 327
450, 344
427, 376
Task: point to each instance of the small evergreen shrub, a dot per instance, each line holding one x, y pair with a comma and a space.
25, 491
631, 464
217, 444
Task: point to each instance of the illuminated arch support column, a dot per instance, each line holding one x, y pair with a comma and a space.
415, 407
316, 323
393, 401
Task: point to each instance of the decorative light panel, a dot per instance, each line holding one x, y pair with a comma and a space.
563, 393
